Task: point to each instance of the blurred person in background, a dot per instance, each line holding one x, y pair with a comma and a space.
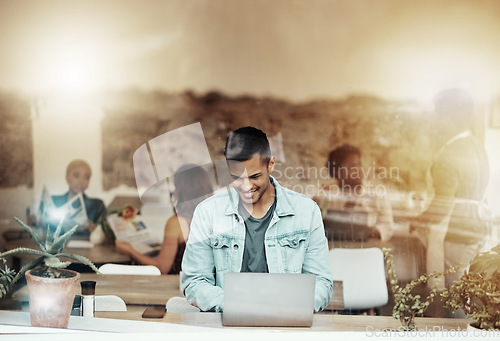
456, 223
349, 193
78, 173
192, 185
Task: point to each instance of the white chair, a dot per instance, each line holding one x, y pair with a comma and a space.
180, 305
362, 272
109, 303
121, 269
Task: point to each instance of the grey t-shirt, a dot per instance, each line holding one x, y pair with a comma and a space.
254, 254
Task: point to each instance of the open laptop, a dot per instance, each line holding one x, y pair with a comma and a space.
268, 299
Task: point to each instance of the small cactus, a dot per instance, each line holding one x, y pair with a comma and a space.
50, 251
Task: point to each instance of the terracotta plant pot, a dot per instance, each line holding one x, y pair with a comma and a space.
51, 299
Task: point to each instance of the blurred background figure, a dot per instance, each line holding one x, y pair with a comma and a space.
344, 165
456, 224
192, 186
78, 174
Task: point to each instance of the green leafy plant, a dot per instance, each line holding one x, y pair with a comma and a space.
6, 277
103, 223
477, 292
408, 306
48, 256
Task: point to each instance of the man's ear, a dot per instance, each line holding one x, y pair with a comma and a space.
271, 164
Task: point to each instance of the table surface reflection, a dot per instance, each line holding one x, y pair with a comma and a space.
321, 322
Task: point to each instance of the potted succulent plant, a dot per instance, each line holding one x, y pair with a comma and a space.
51, 287
477, 292
407, 305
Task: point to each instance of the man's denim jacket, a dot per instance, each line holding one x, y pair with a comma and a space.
294, 242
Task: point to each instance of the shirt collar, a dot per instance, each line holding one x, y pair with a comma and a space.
461, 135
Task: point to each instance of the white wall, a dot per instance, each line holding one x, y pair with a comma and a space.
13, 203
64, 129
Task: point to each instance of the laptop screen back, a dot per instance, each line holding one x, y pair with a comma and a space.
268, 300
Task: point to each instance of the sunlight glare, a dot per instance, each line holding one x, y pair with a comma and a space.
434, 70
73, 68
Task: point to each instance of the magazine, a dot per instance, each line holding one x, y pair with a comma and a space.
73, 211
135, 232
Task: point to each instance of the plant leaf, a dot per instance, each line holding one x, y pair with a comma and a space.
24, 250
32, 232
27, 267
58, 230
81, 259
103, 221
58, 244
496, 249
54, 262
487, 262
3, 290
6, 277
52, 236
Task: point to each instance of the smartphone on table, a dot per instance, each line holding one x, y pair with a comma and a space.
154, 312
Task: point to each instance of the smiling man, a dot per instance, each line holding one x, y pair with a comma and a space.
257, 226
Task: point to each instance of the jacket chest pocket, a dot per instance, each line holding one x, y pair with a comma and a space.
293, 250
221, 246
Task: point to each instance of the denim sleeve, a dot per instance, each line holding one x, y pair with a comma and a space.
317, 261
198, 267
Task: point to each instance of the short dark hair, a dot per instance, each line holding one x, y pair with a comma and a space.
78, 163
337, 157
192, 186
243, 143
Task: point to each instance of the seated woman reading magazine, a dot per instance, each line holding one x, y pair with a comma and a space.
192, 186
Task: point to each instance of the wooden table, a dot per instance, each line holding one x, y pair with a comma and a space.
137, 289
337, 301
133, 289
151, 290
321, 322
99, 254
